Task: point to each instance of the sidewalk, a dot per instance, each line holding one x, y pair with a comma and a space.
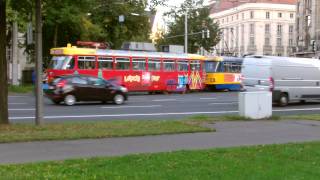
228, 134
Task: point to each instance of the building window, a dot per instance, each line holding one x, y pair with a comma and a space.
251, 14
267, 15
267, 41
237, 16
290, 42
290, 29
222, 21
251, 29
251, 41
227, 19
279, 41
242, 16
231, 18
308, 20
279, 29
267, 29
279, 15
291, 15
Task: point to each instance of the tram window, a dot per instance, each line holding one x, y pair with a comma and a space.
138, 64
182, 65
105, 63
154, 64
195, 65
169, 65
211, 66
86, 62
122, 63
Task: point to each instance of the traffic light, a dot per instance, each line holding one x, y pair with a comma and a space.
203, 34
314, 46
208, 33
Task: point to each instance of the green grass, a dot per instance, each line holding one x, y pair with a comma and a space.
315, 117
22, 132
289, 161
20, 89
82, 130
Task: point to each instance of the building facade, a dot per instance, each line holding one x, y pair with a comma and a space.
308, 28
257, 27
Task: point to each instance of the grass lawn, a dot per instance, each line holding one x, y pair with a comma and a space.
289, 161
97, 129
314, 117
21, 89
121, 128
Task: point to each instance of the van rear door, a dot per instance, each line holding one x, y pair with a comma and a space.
256, 73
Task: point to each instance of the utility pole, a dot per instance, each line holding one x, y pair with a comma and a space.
186, 31
3, 66
39, 92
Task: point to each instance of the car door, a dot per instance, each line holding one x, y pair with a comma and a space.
98, 89
81, 88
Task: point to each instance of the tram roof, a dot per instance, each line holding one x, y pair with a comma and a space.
109, 52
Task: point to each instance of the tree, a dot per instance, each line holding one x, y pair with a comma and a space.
135, 26
198, 20
3, 66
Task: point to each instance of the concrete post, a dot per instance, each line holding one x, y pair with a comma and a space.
14, 55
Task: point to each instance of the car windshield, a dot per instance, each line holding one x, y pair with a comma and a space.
62, 62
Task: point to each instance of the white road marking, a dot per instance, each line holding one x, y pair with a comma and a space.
118, 107
307, 109
223, 103
31, 109
152, 114
126, 115
158, 100
16, 103
208, 98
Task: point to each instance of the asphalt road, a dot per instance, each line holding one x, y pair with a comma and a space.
142, 106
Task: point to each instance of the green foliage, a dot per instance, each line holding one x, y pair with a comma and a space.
198, 20
68, 21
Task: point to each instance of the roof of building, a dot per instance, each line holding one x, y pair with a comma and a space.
222, 5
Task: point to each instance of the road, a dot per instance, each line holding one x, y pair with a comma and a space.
142, 106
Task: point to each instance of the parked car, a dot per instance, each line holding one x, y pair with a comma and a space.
288, 78
73, 88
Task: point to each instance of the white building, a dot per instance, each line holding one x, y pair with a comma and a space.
308, 28
263, 27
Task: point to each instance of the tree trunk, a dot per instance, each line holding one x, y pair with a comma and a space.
3, 66
55, 35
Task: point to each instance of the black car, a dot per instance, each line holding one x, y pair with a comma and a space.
72, 88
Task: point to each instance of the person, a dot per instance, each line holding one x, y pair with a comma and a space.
33, 76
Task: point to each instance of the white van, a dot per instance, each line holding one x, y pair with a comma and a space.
289, 79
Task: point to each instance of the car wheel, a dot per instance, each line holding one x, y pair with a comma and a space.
56, 102
70, 100
118, 99
284, 100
